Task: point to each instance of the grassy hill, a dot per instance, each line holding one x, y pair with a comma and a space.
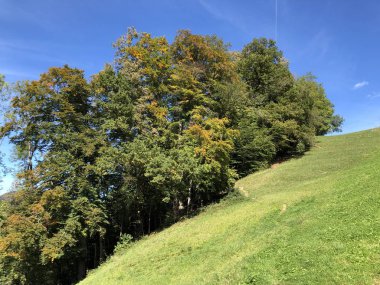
313, 220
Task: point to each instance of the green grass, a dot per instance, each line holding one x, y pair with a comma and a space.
312, 220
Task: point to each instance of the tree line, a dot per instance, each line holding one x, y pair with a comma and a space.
162, 131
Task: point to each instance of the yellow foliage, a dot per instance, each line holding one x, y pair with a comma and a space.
158, 112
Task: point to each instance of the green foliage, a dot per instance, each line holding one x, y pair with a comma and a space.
3, 87
265, 70
124, 243
318, 111
3, 102
148, 140
3, 211
311, 220
57, 198
283, 114
255, 148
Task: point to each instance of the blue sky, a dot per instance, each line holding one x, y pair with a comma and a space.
336, 40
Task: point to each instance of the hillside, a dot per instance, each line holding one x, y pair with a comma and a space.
312, 220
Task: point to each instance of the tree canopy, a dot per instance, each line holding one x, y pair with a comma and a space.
162, 131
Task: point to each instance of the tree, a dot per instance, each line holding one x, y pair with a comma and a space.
50, 125
283, 114
265, 70
319, 111
3, 99
164, 96
161, 132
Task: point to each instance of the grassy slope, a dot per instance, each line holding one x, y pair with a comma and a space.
313, 220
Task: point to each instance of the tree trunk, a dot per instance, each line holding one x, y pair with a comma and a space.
101, 249
175, 208
31, 150
82, 259
95, 255
189, 197
149, 215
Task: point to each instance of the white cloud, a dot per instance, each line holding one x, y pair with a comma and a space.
373, 95
360, 84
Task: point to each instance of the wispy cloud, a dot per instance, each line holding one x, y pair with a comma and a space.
318, 46
17, 73
227, 16
361, 84
374, 95
13, 13
36, 49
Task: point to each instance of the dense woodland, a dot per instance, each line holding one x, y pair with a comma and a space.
161, 132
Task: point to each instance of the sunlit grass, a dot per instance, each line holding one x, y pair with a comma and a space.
312, 220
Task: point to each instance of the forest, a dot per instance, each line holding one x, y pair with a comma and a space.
159, 133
